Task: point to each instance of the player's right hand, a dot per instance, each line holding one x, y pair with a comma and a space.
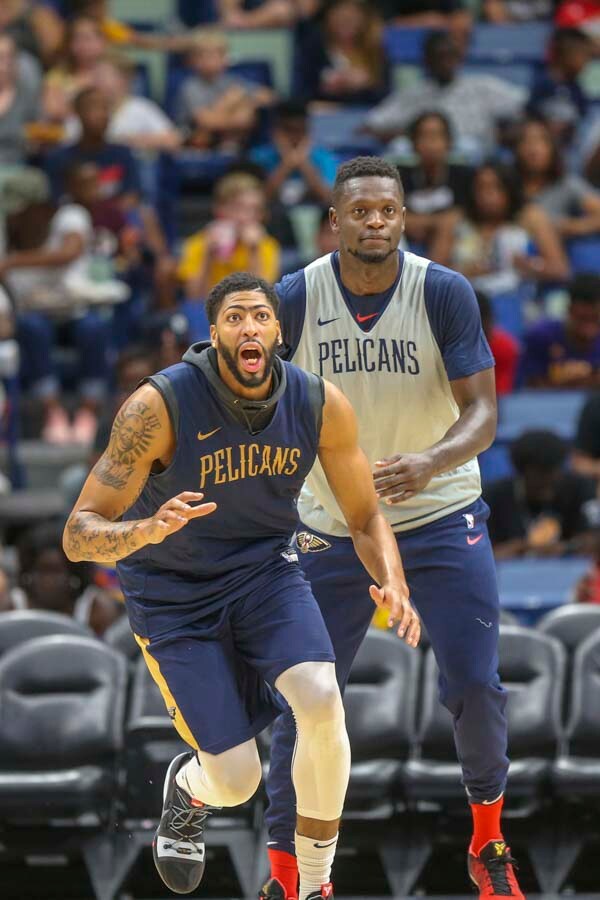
174, 515
394, 598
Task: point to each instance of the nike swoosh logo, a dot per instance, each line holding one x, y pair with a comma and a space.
361, 319
473, 540
202, 437
327, 321
322, 846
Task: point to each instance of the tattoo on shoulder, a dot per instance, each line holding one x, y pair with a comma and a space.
132, 433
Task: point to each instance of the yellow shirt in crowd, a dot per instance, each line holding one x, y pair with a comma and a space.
194, 250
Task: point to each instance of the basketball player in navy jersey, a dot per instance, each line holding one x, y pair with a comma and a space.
402, 338
214, 593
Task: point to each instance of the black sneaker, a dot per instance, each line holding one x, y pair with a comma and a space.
178, 845
272, 890
326, 893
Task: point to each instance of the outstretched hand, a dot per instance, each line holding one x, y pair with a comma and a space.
174, 515
395, 600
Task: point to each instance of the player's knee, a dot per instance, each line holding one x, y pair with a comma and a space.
320, 702
237, 784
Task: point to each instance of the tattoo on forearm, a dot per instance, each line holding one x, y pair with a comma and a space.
132, 433
89, 536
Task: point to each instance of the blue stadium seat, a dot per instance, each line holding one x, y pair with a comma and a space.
495, 463
508, 312
531, 587
339, 131
404, 45
521, 74
525, 42
584, 254
526, 410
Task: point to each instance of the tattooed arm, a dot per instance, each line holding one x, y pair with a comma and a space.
141, 435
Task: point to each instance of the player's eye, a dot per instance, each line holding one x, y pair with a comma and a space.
234, 317
390, 210
263, 316
358, 210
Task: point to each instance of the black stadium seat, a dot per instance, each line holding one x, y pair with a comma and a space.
62, 701
571, 624
120, 636
18, 626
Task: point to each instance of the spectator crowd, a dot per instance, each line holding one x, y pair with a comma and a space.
126, 195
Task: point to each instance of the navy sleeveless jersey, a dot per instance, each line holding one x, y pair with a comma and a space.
254, 479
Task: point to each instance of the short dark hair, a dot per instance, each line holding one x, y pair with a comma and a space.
289, 109
239, 281
366, 167
414, 126
538, 449
435, 40
585, 288
563, 37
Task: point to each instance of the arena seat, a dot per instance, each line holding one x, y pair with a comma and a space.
571, 624
273, 45
151, 742
576, 772
584, 254
532, 669
404, 45
62, 699
120, 637
529, 409
520, 74
21, 625
525, 42
340, 132
530, 587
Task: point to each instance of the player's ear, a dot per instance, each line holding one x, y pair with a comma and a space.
333, 219
213, 335
279, 338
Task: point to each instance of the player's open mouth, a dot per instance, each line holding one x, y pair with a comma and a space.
251, 356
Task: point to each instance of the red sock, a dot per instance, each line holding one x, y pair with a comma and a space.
486, 824
285, 869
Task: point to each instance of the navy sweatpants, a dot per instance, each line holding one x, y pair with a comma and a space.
451, 576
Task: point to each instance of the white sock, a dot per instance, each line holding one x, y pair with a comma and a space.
193, 769
315, 859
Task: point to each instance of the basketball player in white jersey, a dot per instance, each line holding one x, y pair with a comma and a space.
402, 338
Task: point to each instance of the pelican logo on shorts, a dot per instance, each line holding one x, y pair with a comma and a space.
172, 710
469, 519
310, 543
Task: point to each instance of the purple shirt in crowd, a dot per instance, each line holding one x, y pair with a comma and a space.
548, 353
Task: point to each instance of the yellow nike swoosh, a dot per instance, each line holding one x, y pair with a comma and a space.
202, 437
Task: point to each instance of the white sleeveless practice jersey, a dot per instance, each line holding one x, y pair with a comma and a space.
396, 375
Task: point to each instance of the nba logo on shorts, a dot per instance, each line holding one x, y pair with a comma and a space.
469, 519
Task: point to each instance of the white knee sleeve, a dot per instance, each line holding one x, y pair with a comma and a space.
321, 763
225, 779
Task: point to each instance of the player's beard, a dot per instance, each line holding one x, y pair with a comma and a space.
247, 379
372, 257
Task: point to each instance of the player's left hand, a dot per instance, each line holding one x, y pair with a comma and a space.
394, 598
400, 477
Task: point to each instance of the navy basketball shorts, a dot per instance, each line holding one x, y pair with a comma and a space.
217, 673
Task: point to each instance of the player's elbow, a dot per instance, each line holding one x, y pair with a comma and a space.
69, 547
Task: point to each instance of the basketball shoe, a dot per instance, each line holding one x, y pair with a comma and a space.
178, 845
492, 872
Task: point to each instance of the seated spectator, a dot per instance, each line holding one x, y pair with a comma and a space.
85, 45
505, 349
441, 15
542, 510
473, 104
341, 58
17, 106
571, 203
581, 14
557, 95
586, 453
567, 354
135, 121
234, 241
217, 109
503, 12
118, 171
47, 271
492, 243
119, 34
49, 581
35, 28
297, 170
434, 189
